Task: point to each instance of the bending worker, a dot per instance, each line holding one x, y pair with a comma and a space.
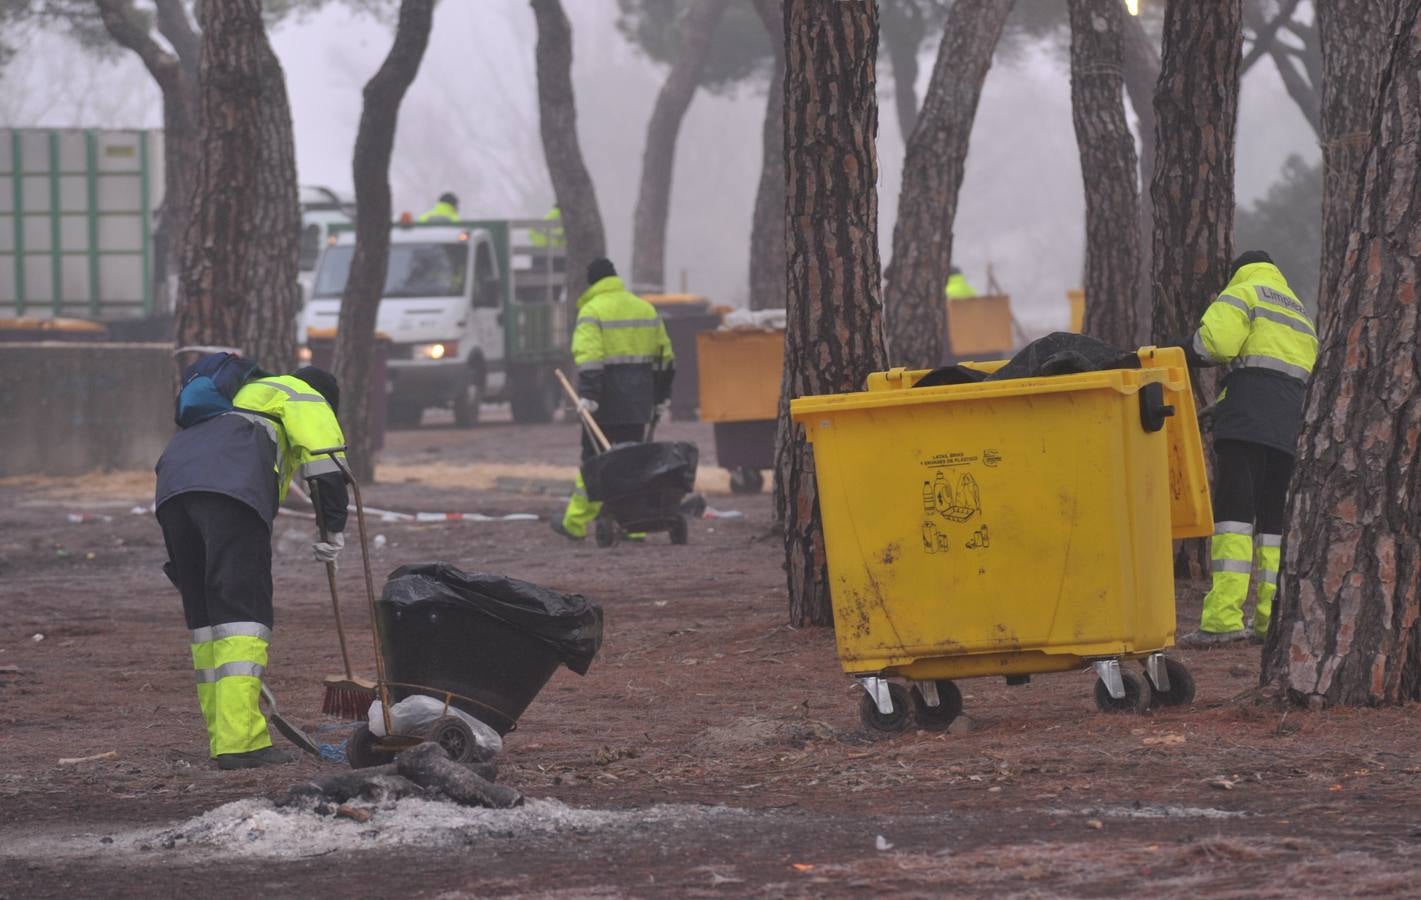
447, 209
219, 485
625, 368
1259, 329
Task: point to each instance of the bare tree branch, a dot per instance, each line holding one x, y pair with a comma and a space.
121, 21
1265, 33
175, 25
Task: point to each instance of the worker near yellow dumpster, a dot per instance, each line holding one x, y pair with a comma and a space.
219, 485
625, 368
550, 234
447, 209
957, 286
1259, 329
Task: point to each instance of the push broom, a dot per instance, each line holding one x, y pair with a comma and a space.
347, 696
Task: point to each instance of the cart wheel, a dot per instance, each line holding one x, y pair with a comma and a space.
360, 750
1137, 699
746, 481
604, 532
896, 721
1181, 685
456, 737
680, 531
936, 718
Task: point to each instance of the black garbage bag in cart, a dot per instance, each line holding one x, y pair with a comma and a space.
492, 640
641, 486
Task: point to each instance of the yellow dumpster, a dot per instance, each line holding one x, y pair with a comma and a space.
1076, 299
1008, 528
739, 373
978, 325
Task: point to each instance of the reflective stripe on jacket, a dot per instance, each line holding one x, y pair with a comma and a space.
623, 356
1258, 322
273, 433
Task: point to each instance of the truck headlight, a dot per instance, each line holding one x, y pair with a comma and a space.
435, 351
303, 355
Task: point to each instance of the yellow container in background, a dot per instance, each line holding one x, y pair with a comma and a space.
1006, 528
979, 325
740, 374
1077, 300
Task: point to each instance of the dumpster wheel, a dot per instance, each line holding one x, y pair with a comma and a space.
360, 750
456, 737
898, 720
949, 705
604, 532
1137, 699
1181, 684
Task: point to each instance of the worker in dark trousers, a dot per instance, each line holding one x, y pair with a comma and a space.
625, 368
219, 485
1259, 329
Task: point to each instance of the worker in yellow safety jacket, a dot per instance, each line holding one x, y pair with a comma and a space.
1258, 329
446, 209
957, 286
219, 485
551, 234
625, 368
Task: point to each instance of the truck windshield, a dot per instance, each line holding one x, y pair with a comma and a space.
416, 270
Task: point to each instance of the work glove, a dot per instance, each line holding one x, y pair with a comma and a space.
585, 404
328, 551
663, 410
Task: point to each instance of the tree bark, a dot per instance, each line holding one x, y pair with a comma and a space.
1141, 70
1355, 37
176, 77
360, 301
932, 177
1108, 170
1196, 114
557, 115
834, 337
903, 28
767, 228
240, 256
653, 205
1348, 628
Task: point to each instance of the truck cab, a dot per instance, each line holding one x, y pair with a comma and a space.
475, 313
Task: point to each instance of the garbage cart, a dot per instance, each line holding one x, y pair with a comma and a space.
740, 373
1008, 528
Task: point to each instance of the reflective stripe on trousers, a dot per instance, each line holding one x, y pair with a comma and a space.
1270, 557
1232, 553
230, 660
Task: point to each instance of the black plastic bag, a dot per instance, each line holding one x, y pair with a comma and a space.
569, 623
1059, 353
629, 469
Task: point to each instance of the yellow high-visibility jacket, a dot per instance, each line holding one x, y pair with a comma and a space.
958, 288
550, 235
1263, 333
441, 210
623, 356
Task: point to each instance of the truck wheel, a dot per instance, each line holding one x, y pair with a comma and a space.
404, 414
466, 406
534, 403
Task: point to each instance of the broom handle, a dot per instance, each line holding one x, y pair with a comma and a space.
381, 687
331, 579
586, 416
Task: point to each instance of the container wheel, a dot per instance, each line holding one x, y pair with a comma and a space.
456, 737
1137, 699
1181, 685
680, 531
936, 718
360, 750
604, 532
896, 721
746, 481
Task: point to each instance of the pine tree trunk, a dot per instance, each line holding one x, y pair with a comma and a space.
1347, 629
834, 337
1356, 38
374, 144
1108, 170
1196, 115
1141, 70
932, 177
557, 114
767, 228
653, 205
240, 254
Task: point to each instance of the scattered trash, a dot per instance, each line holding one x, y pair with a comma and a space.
334, 752
802, 867
882, 843
353, 813
411, 714
713, 513
37, 638
1222, 783
83, 518
140, 510
89, 555
1095, 824
380, 542
76, 760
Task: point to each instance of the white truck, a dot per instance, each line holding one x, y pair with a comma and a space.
475, 312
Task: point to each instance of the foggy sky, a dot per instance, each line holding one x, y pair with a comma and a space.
470, 125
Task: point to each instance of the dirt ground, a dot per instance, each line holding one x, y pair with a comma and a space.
711, 751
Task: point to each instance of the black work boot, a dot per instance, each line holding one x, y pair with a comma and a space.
255, 759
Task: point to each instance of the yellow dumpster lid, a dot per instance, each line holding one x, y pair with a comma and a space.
63, 326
